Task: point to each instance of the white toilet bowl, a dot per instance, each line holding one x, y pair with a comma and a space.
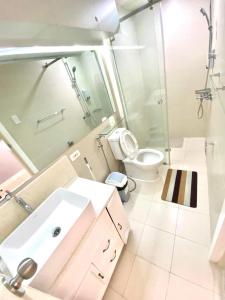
141, 164
145, 166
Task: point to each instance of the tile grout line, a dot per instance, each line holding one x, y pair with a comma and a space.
125, 287
169, 232
194, 283
174, 242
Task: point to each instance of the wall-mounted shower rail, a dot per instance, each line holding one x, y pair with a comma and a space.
61, 111
79, 93
139, 9
46, 65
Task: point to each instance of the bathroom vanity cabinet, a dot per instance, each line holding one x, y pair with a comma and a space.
87, 273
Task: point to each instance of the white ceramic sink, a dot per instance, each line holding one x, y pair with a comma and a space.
41, 234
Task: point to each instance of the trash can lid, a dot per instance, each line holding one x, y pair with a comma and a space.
117, 179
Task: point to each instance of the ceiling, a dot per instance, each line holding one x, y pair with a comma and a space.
61, 22
130, 5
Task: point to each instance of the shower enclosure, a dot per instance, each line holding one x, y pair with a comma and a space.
139, 62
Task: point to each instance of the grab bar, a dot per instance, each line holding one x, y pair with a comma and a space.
51, 116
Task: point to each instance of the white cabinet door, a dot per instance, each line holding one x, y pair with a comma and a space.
93, 286
118, 216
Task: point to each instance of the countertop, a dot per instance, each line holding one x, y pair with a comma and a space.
98, 193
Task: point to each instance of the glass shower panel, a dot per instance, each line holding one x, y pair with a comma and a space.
139, 57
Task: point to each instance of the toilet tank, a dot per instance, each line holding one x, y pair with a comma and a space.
114, 142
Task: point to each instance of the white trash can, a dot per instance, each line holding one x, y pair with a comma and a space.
120, 181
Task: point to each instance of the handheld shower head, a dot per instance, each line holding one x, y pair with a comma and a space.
74, 69
204, 13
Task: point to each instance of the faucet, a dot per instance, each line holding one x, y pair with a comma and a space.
9, 195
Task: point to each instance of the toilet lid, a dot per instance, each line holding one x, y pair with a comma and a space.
128, 143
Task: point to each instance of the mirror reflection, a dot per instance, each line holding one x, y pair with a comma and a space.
47, 106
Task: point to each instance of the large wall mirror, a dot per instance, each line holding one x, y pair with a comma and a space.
46, 106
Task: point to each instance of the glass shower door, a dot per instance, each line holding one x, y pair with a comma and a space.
139, 58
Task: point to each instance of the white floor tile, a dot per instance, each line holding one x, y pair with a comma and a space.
136, 230
146, 282
190, 261
145, 188
111, 295
203, 180
121, 274
177, 155
162, 216
197, 144
156, 246
157, 198
193, 226
137, 208
195, 158
182, 289
163, 171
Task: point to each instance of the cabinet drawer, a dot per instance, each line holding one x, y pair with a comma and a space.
93, 285
107, 249
119, 217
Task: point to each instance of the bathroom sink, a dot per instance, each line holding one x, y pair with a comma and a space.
63, 217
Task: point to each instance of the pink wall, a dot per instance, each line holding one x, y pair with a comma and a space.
9, 163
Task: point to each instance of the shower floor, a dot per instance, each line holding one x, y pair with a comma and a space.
166, 257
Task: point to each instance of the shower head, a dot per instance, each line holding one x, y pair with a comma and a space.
204, 13
74, 69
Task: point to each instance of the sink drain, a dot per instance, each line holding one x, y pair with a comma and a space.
56, 231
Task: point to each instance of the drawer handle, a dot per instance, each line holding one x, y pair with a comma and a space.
100, 275
112, 259
120, 226
107, 247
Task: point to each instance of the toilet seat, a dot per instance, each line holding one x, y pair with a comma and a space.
128, 144
140, 164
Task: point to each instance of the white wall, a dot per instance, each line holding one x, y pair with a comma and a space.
186, 46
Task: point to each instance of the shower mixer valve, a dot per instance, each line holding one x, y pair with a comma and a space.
204, 94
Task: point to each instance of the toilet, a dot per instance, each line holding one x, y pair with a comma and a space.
140, 164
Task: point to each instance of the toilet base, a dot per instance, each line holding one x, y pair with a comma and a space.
142, 174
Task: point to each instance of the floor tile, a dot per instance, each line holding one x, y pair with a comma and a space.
157, 198
156, 246
163, 171
145, 188
146, 282
181, 289
137, 208
111, 295
195, 158
190, 261
136, 230
177, 155
194, 226
197, 144
121, 274
162, 216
